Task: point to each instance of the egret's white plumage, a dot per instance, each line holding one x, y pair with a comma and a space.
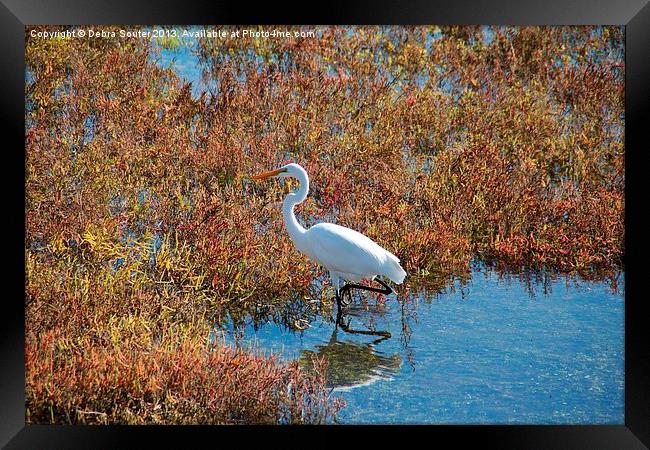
347, 254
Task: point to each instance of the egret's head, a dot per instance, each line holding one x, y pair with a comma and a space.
289, 170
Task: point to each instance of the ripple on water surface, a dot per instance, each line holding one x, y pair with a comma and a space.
497, 350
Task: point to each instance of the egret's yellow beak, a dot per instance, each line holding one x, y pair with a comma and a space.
272, 173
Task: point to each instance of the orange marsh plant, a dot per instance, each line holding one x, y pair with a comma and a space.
143, 230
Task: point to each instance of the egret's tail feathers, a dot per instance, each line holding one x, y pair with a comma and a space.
394, 271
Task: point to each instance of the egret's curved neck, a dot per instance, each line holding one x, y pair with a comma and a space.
295, 230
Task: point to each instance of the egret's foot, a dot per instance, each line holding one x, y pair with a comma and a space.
340, 320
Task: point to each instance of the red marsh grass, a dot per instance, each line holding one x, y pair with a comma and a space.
121, 376
143, 230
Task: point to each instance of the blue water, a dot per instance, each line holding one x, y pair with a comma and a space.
491, 352
184, 61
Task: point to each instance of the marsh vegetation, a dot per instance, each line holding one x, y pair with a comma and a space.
445, 145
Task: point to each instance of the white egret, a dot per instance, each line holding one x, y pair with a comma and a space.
345, 253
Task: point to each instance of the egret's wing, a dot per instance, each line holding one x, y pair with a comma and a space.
344, 250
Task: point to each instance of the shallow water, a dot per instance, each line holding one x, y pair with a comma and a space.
494, 351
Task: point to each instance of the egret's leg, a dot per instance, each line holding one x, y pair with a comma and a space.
340, 291
336, 283
387, 290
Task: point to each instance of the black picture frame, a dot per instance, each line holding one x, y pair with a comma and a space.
634, 14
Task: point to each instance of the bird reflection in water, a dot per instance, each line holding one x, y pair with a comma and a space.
352, 364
